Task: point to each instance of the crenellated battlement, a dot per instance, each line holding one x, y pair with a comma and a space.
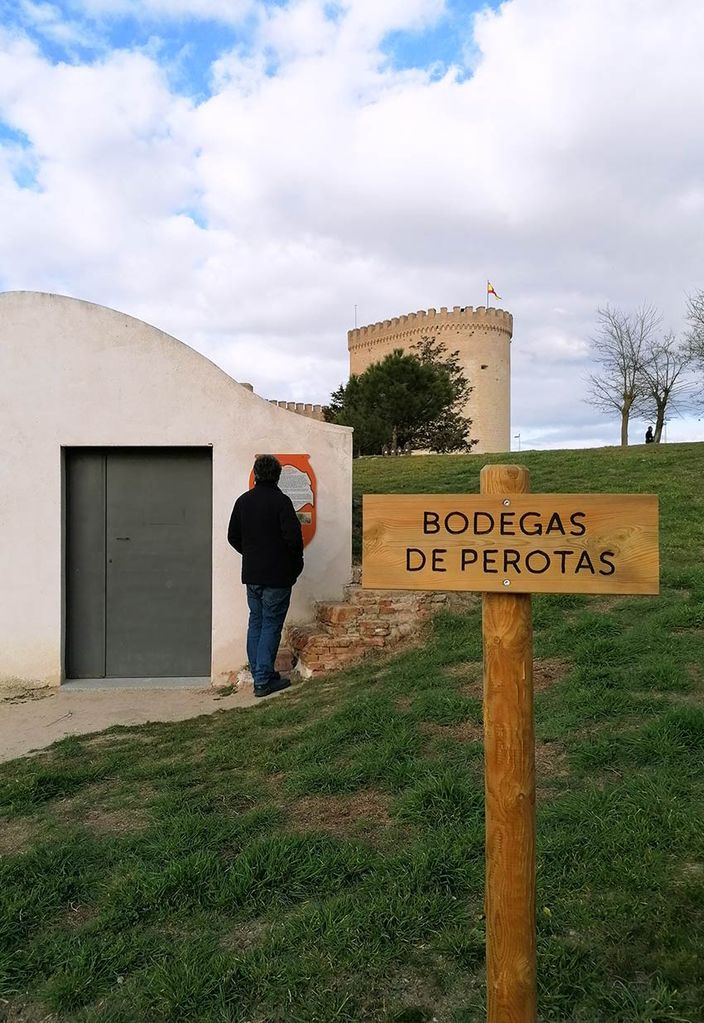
481, 338
302, 408
485, 317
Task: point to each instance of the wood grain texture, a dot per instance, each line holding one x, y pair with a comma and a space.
493, 542
509, 790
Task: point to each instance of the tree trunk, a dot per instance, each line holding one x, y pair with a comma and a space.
394, 441
625, 415
659, 421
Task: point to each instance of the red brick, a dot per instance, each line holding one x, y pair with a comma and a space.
369, 620
374, 629
344, 614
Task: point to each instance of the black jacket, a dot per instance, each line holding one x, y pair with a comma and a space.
264, 528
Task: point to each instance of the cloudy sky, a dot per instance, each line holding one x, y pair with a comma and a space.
242, 173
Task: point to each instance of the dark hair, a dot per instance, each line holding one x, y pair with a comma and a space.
267, 469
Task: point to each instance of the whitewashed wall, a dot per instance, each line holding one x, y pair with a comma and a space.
74, 374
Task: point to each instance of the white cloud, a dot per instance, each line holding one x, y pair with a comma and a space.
567, 170
368, 20
226, 11
50, 22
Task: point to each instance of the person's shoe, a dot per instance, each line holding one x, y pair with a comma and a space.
275, 676
274, 686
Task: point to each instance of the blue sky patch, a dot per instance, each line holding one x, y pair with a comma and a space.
195, 215
441, 45
24, 173
12, 136
188, 51
22, 161
188, 46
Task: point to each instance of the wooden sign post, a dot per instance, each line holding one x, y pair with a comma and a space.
509, 787
510, 544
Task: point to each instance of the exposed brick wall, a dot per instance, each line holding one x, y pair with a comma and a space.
369, 620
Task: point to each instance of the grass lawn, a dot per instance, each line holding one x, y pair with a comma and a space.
320, 858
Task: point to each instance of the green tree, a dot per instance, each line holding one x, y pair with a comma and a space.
405, 401
352, 405
450, 430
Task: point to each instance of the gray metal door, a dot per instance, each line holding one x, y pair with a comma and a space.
139, 563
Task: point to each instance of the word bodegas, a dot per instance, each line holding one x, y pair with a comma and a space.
504, 559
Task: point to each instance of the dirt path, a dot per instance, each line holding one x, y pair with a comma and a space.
33, 719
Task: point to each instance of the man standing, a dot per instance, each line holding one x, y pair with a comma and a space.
265, 530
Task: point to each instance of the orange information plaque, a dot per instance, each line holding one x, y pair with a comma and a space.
299, 483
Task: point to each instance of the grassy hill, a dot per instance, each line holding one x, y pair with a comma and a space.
320, 858
673, 471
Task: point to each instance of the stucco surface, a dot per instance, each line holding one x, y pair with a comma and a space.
74, 374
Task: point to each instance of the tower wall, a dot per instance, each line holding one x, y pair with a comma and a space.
482, 336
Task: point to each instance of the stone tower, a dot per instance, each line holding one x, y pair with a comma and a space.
482, 336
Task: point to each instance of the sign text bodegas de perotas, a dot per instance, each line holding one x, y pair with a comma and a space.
520, 543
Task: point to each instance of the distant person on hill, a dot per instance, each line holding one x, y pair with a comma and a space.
649, 435
265, 530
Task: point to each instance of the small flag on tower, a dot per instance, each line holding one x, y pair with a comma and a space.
491, 291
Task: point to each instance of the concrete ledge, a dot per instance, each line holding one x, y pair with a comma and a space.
93, 684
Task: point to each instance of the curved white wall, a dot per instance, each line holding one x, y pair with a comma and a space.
74, 374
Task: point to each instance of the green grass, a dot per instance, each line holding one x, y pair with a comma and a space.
320, 858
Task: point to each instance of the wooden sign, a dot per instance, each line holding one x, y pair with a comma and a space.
510, 543
517, 543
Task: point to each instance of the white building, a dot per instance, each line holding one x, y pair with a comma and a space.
122, 451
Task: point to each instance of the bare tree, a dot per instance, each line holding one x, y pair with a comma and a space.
622, 346
663, 385
695, 335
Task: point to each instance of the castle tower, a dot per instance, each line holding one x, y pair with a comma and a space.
482, 336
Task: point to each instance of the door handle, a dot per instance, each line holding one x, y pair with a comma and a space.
122, 537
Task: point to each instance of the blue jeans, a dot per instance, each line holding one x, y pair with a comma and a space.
267, 612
